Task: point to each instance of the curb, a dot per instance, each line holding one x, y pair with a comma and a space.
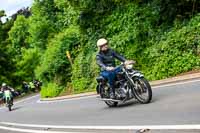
69, 96
152, 83
176, 79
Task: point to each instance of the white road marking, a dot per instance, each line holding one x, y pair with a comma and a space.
64, 100
32, 131
152, 127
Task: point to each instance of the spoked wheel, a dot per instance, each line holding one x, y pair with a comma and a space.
142, 90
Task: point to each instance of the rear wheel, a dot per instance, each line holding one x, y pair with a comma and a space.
142, 90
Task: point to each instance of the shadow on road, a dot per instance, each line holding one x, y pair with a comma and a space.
16, 108
131, 103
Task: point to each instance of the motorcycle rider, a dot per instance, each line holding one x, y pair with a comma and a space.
106, 60
25, 86
5, 87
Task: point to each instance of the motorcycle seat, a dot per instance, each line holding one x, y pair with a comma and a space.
100, 79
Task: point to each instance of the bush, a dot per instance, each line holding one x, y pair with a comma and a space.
55, 65
50, 90
84, 71
177, 52
27, 64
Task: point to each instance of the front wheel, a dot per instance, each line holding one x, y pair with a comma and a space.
142, 90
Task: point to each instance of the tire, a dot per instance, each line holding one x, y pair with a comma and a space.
142, 86
111, 103
9, 107
9, 104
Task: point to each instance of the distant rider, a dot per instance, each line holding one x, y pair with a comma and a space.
5, 87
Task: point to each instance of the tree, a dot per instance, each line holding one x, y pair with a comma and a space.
6, 63
2, 14
24, 11
19, 34
42, 23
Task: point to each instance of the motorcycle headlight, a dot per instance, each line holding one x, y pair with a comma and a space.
129, 66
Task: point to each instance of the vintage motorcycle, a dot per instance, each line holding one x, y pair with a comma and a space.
129, 84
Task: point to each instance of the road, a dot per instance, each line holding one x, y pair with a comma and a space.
177, 104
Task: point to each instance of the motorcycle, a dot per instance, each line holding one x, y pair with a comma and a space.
129, 84
8, 99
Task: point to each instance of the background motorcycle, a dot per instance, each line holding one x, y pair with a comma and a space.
8, 99
129, 84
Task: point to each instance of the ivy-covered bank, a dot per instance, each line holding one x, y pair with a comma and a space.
56, 42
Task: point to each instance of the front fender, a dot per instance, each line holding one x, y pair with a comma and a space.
137, 74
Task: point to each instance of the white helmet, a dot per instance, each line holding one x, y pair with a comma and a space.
4, 84
101, 42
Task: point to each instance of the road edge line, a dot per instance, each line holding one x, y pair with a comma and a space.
152, 127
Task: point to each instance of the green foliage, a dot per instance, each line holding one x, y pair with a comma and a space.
2, 13
7, 67
176, 9
42, 22
39, 30
129, 33
50, 90
27, 64
19, 33
84, 72
177, 52
44, 8
66, 15
55, 65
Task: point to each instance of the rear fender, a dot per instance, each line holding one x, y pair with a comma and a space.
100, 79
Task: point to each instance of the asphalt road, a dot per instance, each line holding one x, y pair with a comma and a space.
171, 105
